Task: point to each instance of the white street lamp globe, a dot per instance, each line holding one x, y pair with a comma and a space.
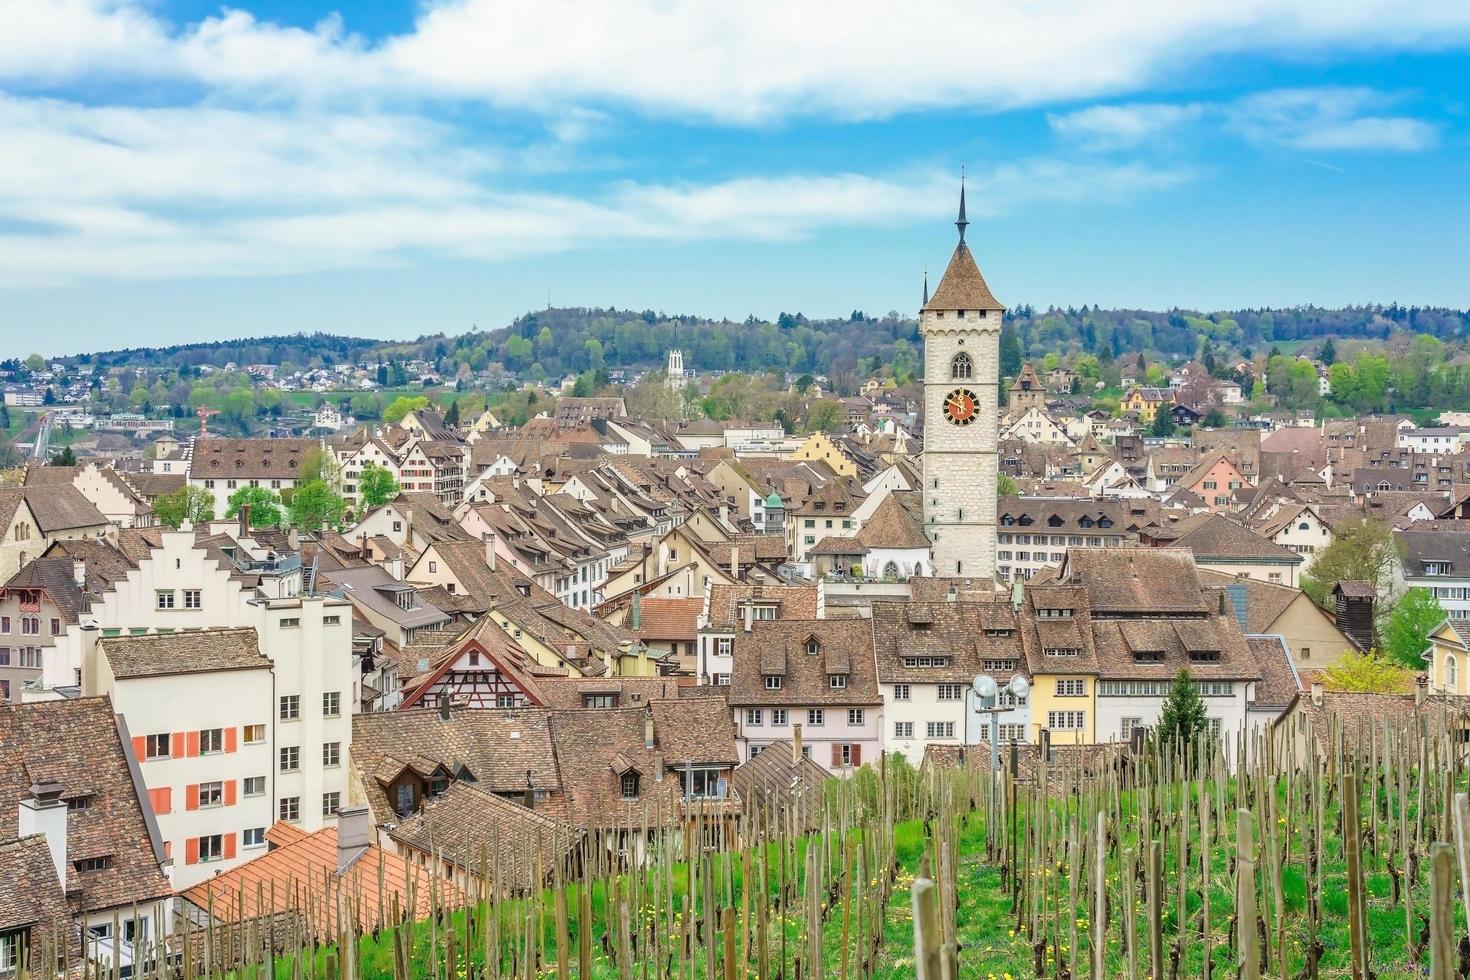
984, 686
1018, 686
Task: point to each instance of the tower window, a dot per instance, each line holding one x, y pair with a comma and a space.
961, 368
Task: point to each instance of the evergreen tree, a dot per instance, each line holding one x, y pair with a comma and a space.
1183, 719
1163, 426
451, 415
1328, 354
1010, 354
66, 457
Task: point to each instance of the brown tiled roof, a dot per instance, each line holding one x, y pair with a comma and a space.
834, 544
1117, 643
593, 745
1264, 601
32, 897
957, 630
56, 507
892, 526
497, 747
628, 692
49, 475
668, 619
1279, 682
774, 783
792, 602
249, 459
77, 743
192, 651
1069, 514
1215, 536
300, 873
779, 646
962, 286
480, 831
1136, 580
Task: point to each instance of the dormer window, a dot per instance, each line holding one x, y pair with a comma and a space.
1204, 656
1062, 652
628, 785
1026, 520
1054, 520
1007, 520
1086, 522
1148, 656
1104, 522
405, 599
1054, 613
813, 647
773, 682
836, 681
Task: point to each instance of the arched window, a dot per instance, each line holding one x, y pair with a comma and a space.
1451, 673
890, 570
961, 368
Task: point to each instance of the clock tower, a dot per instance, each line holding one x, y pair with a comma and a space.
961, 325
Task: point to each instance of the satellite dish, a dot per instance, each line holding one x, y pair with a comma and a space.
984, 686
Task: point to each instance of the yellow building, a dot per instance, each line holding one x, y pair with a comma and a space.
820, 447
1065, 705
1146, 402
1449, 646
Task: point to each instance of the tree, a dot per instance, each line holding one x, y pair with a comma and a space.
1010, 353
1412, 619
1183, 719
451, 414
825, 415
1163, 425
188, 504
404, 404
376, 485
1368, 673
1005, 486
265, 506
35, 363
65, 457
1362, 550
1214, 419
315, 505
1328, 354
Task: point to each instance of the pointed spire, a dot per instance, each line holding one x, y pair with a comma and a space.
926, 284
962, 222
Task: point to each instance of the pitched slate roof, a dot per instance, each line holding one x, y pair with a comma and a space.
1441, 546
249, 459
971, 634
77, 744
792, 602
1124, 581
56, 507
962, 287
667, 619
1215, 537
188, 652
1279, 681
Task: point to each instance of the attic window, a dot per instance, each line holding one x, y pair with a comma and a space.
1026, 519
405, 599
1054, 613
1007, 520
1148, 656
1104, 522
813, 647
773, 682
1062, 652
628, 785
1204, 656
1086, 522
1054, 520
836, 681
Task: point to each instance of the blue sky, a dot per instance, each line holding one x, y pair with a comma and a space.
174, 171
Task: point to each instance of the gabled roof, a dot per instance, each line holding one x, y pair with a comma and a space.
32, 897
1214, 537
892, 526
188, 652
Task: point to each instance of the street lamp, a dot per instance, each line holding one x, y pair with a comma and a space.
988, 692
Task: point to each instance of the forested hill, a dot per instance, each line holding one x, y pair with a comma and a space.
562, 341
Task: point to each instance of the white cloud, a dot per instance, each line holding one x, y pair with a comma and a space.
1328, 119
753, 61
1109, 127
136, 193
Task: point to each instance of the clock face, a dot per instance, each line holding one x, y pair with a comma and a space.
961, 406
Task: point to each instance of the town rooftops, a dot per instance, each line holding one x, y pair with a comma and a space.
187, 652
1214, 537
1133, 581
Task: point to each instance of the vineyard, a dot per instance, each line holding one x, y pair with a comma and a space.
1336, 852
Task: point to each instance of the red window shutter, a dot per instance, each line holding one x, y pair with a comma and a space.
857, 754
230, 734
229, 792
193, 744
161, 800
229, 843
168, 849
836, 756
140, 747
176, 745
191, 850
191, 796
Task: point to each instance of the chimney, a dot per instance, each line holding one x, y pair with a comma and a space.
354, 835
444, 713
735, 562
79, 572
363, 548
91, 635
43, 812
1316, 694
658, 767
395, 568
1421, 690
796, 744
244, 520
635, 612
489, 538
953, 594
528, 798
648, 731
748, 611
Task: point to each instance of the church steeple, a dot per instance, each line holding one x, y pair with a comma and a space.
962, 224
926, 286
